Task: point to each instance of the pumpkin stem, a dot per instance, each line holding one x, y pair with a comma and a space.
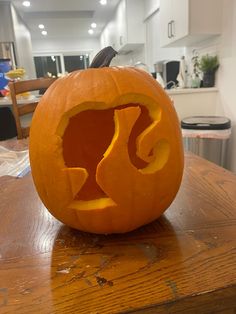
103, 58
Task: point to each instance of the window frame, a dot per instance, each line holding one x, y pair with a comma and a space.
61, 56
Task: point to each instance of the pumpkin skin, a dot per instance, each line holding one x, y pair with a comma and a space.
106, 149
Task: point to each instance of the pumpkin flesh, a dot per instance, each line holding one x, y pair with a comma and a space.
86, 151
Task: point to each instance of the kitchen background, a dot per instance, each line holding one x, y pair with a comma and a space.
137, 29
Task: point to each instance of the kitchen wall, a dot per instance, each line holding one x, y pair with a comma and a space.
13, 29
86, 45
6, 27
130, 58
225, 47
226, 73
23, 44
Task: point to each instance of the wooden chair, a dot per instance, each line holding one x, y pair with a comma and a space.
21, 108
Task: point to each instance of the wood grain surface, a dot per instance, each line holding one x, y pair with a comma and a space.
185, 262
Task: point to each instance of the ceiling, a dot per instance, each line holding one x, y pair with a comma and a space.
65, 18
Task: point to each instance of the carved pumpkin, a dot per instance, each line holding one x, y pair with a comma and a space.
106, 149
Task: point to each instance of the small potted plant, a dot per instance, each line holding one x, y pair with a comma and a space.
209, 65
196, 80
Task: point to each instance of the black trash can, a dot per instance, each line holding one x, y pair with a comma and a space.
207, 136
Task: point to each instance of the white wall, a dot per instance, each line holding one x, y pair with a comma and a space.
226, 74
47, 45
23, 45
13, 29
225, 47
130, 58
6, 28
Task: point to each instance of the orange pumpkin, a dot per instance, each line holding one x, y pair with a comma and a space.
106, 149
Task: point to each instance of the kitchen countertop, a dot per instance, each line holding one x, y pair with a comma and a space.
184, 262
180, 91
6, 101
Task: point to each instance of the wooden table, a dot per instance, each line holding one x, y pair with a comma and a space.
185, 262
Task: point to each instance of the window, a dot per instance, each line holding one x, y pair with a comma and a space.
73, 63
47, 64
57, 64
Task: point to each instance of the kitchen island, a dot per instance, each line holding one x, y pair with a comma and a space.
184, 262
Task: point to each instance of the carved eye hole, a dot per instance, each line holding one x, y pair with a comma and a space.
87, 137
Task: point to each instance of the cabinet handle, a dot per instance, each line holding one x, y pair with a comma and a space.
172, 28
169, 30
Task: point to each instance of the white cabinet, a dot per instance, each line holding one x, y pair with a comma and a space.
126, 31
130, 25
150, 7
108, 36
187, 22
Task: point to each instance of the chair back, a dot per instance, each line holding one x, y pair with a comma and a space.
24, 106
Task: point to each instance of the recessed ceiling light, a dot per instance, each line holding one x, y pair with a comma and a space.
44, 33
93, 25
26, 3
103, 2
90, 31
41, 26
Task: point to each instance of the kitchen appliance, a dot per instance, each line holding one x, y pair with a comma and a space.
141, 65
158, 67
170, 73
167, 71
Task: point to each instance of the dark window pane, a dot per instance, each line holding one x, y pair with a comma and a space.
73, 63
47, 64
87, 62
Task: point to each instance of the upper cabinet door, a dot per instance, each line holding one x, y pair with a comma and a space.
188, 22
126, 31
179, 19
165, 22
108, 36
174, 20
121, 23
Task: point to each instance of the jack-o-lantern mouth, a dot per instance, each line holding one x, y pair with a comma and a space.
91, 134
